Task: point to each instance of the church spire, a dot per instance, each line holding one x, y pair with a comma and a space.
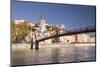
42, 23
42, 15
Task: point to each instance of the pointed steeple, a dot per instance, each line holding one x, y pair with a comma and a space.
42, 22
42, 17
42, 14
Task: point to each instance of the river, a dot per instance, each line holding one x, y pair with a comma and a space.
53, 55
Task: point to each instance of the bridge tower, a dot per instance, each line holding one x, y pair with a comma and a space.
62, 30
76, 37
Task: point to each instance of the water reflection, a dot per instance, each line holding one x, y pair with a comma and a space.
53, 55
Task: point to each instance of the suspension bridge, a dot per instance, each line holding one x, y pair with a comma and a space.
70, 32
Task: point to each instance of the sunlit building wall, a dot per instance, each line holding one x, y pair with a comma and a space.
80, 38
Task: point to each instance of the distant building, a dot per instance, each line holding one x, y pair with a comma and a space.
79, 38
19, 21
24, 21
31, 24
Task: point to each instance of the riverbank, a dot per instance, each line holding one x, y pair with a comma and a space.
54, 45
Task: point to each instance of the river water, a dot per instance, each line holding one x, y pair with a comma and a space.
53, 55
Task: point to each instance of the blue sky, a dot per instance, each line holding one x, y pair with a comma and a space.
72, 16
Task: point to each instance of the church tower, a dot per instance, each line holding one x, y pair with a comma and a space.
42, 24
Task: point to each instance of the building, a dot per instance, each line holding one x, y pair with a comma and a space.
82, 38
30, 24
19, 21
42, 26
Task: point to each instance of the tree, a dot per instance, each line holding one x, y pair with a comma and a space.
19, 31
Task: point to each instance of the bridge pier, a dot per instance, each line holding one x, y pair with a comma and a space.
31, 44
36, 45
